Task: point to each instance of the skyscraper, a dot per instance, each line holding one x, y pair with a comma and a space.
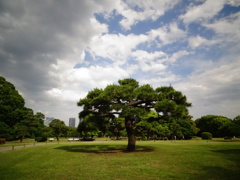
72, 122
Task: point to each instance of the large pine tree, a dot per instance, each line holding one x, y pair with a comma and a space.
130, 101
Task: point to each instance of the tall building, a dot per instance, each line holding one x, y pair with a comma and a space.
72, 122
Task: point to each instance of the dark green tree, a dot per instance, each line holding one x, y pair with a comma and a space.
5, 131
39, 124
29, 125
72, 132
87, 127
216, 125
102, 124
58, 127
16, 120
150, 127
236, 120
21, 130
117, 127
234, 127
130, 101
11, 102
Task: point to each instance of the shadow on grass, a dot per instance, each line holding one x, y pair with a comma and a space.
227, 172
220, 173
228, 152
103, 148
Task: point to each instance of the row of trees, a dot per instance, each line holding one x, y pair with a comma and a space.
126, 109
219, 126
150, 127
18, 121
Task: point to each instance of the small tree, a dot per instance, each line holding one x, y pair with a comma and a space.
72, 132
57, 127
116, 127
87, 128
21, 131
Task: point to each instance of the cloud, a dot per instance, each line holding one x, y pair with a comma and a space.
197, 41
177, 55
136, 11
74, 83
214, 90
116, 47
165, 79
150, 61
167, 34
41, 41
234, 2
55, 52
203, 12
229, 34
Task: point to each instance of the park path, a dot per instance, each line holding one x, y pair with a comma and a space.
8, 148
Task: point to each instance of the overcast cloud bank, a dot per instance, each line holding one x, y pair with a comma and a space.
56, 51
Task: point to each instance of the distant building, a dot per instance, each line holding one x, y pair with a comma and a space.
48, 120
72, 122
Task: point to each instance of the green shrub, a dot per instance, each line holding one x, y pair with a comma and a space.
206, 135
40, 139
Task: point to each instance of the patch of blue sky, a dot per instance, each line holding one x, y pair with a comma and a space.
182, 71
147, 25
113, 22
139, 74
189, 64
228, 10
89, 60
196, 29
147, 46
174, 47
213, 52
183, 67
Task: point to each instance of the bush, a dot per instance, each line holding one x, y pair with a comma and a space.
2, 141
206, 135
40, 139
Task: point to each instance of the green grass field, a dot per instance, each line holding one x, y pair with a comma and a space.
109, 160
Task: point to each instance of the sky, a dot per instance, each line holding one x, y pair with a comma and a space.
54, 51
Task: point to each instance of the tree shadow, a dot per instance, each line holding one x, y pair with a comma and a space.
230, 154
230, 172
99, 149
216, 172
228, 151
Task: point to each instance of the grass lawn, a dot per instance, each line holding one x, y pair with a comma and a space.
108, 160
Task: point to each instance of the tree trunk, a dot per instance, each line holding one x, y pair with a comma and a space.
148, 135
131, 135
21, 139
